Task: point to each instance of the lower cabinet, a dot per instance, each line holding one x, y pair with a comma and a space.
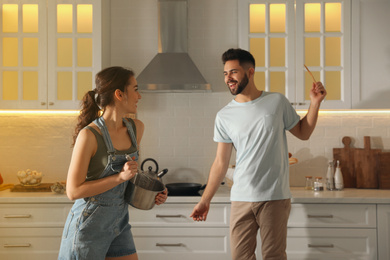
167, 232
331, 231
30, 243
31, 231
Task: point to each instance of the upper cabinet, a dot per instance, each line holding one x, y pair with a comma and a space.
49, 52
284, 36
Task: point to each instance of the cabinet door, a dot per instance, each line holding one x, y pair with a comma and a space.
74, 50
23, 54
30, 243
283, 36
383, 232
266, 29
320, 243
178, 215
182, 243
323, 44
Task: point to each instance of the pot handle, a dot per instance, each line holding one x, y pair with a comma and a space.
149, 159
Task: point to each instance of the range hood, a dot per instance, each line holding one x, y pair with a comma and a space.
172, 69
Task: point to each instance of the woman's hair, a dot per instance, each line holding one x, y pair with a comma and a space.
95, 101
243, 56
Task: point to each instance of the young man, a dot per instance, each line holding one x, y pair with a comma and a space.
255, 124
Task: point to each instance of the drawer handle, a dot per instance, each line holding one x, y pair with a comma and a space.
320, 216
18, 216
321, 246
18, 245
174, 245
169, 216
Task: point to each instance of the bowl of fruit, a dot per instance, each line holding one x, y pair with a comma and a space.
29, 177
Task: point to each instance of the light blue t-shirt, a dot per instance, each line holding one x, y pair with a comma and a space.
257, 130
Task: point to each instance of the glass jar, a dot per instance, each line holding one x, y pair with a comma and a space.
318, 184
309, 183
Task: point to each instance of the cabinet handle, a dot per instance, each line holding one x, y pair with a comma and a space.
169, 216
17, 245
320, 216
18, 216
301, 103
43, 103
175, 245
316, 246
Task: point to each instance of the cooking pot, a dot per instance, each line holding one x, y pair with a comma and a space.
144, 186
184, 189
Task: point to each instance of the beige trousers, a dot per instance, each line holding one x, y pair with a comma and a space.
245, 220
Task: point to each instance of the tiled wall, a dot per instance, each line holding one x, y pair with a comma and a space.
178, 134
178, 126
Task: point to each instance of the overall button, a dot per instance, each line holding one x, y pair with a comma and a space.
93, 199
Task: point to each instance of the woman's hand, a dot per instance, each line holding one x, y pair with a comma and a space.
161, 197
130, 168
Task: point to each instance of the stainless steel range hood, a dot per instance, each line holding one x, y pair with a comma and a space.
172, 69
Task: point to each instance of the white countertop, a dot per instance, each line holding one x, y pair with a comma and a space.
300, 195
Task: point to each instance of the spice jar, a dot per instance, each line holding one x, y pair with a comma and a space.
309, 183
318, 184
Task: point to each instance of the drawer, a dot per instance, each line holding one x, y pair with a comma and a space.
182, 243
333, 215
320, 243
30, 243
33, 215
178, 215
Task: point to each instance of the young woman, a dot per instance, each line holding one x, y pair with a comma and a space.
98, 226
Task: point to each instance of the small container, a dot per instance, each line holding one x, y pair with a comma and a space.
318, 184
309, 183
329, 176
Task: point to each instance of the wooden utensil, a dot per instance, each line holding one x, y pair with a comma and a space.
366, 166
314, 80
346, 157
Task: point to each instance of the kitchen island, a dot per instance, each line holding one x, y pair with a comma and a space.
348, 224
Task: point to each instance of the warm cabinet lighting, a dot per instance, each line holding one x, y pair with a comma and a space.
10, 18
64, 18
84, 18
30, 18
277, 13
39, 112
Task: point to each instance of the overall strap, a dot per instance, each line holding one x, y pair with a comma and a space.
131, 131
106, 136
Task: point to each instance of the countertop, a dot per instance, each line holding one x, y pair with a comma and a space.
299, 195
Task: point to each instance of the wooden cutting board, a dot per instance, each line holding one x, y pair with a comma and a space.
366, 166
43, 187
384, 170
346, 157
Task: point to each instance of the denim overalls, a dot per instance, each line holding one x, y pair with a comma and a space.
98, 226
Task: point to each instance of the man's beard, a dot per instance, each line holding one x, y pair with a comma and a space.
244, 82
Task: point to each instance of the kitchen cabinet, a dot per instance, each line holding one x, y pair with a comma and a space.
50, 51
167, 232
332, 231
370, 59
383, 231
31, 231
284, 36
